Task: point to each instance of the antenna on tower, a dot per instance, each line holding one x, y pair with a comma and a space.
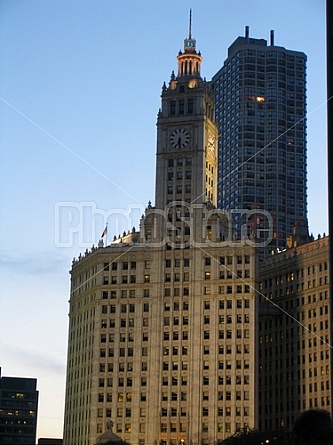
190, 26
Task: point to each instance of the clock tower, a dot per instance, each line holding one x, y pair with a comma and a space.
186, 166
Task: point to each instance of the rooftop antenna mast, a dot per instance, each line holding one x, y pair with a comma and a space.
190, 26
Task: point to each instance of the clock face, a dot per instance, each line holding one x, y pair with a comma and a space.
179, 138
211, 144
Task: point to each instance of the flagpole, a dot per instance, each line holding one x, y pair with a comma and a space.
106, 233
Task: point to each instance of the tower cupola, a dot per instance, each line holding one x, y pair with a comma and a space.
189, 61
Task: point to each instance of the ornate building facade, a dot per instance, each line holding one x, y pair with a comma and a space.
294, 334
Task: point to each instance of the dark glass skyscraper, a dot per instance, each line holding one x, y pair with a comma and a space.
260, 95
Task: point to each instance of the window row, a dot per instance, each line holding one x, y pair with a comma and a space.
239, 333
179, 162
179, 189
123, 308
176, 291
121, 412
177, 276
228, 304
179, 175
228, 319
121, 397
123, 323
222, 349
176, 321
177, 262
176, 306
183, 335
109, 367
125, 265
228, 260
123, 337
125, 279
123, 352
175, 350
229, 274
239, 289
173, 412
174, 366
122, 381
181, 107
119, 429
127, 293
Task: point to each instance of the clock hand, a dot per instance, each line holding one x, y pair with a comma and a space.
179, 142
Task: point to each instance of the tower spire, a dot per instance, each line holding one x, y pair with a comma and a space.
189, 61
190, 26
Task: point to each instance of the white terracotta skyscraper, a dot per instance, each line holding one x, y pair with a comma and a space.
163, 322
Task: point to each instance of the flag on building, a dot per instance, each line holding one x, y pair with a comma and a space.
105, 231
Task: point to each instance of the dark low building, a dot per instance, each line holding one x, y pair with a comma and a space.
18, 410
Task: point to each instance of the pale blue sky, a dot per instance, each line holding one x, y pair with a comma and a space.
80, 88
